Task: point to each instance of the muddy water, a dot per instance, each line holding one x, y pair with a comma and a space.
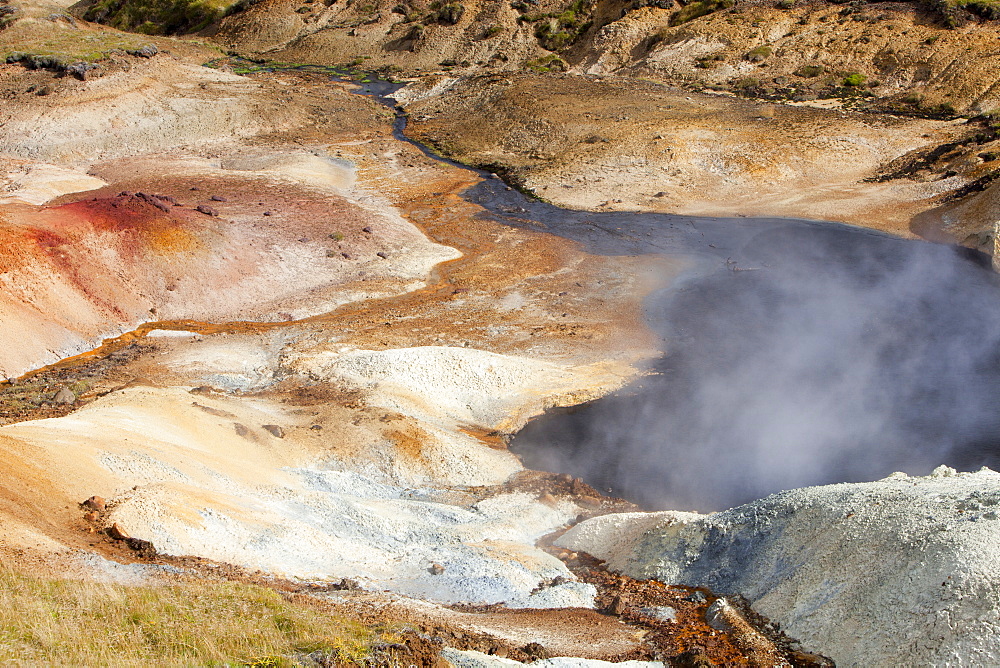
795, 353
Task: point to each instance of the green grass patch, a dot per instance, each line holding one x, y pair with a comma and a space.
63, 48
854, 79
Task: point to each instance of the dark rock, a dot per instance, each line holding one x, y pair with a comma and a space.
274, 430
207, 210
696, 597
147, 51
347, 584
218, 198
366, 229
316, 427
116, 532
382, 255
95, 503
692, 658
155, 200
435, 569
535, 650
268, 213
81, 71
347, 256
243, 430
143, 547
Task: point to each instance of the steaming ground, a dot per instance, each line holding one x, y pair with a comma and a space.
811, 355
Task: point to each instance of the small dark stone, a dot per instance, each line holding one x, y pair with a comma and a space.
143, 547
366, 229
218, 198
696, 597
347, 256
95, 503
268, 213
692, 658
382, 255
274, 430
242, 430
435, 569
535, 650
207, 210
316, 427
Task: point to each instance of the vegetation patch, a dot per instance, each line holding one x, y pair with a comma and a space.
70, 622
954, 13
556, 31
700, 8
551, 63
449, 13
854, 79
809, 71
63, 48
758, 54
161, 17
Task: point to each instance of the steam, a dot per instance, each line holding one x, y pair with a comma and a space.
815, 354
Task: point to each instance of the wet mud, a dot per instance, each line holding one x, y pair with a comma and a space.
795, 353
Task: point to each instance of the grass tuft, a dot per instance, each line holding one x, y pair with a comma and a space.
70, 622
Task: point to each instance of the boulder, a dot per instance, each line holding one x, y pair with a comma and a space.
901, 571
95, 503
64, 396
116, 532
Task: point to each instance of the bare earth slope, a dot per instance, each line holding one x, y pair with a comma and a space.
632, 145
321, 347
